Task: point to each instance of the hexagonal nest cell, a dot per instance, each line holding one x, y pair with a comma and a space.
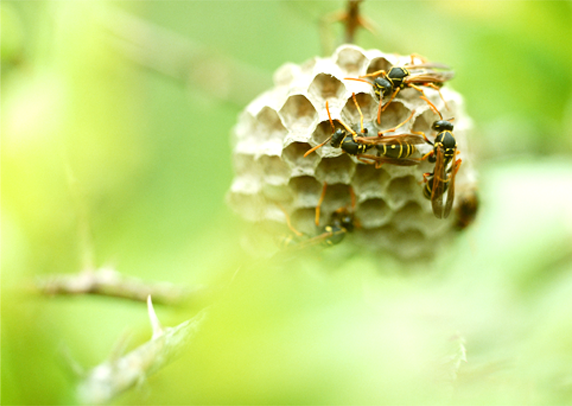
278, 128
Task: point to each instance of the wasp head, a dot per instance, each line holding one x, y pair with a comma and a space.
442, 125
382, 87
337, 138
343, 219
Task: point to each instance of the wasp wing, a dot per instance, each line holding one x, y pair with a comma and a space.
439, 185
451, 189
385, 160
428, 66
411, 139
430, 77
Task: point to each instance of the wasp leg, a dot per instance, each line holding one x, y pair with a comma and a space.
381, 133
433, 86
360, 113
421, 58
379, 110
432, 106
288, 222
352, 198
319, 206
425, 176
376, 161
387, 104
424, 97
374, 74
423, 135
367, 159
427, 155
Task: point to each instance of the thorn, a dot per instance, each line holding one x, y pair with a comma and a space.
72, 366
119, 347
155, 323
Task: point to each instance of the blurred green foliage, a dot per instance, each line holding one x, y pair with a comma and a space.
93, 139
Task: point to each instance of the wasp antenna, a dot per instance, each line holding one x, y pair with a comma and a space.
359, 111
288, 222
451, 119
352, 132
380, 133
317, 146
319, 206
329, 116
352, 198
376, 74
359, 80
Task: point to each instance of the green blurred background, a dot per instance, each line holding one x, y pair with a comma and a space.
112, 121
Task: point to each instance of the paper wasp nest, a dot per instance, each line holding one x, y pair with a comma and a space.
279, 126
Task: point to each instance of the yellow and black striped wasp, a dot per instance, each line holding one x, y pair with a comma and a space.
389, 84
342, 221
440, 184
344, 139
395, 150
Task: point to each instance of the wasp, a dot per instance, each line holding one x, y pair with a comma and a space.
440, 184
341, 222
346, 138
394, 150
467, 208
390, 83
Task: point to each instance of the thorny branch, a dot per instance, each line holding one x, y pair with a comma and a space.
108, 282
106, 381
175, 56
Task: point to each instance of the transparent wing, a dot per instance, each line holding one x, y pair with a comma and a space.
430, 77
380, 160
411, 139
451, 189
427, 66
439, 185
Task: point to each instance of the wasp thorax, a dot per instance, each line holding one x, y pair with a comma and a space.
446, 139
397, 74
277, 180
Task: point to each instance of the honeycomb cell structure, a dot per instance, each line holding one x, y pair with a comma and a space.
274, 180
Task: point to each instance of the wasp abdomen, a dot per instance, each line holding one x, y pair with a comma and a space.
396, 150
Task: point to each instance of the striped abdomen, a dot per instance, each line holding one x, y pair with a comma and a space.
396, 149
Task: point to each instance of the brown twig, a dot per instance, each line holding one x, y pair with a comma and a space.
108, 282
352, 20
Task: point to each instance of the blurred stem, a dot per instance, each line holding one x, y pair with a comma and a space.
108, 282
84, 231
352, 20
172, 55
108, 380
